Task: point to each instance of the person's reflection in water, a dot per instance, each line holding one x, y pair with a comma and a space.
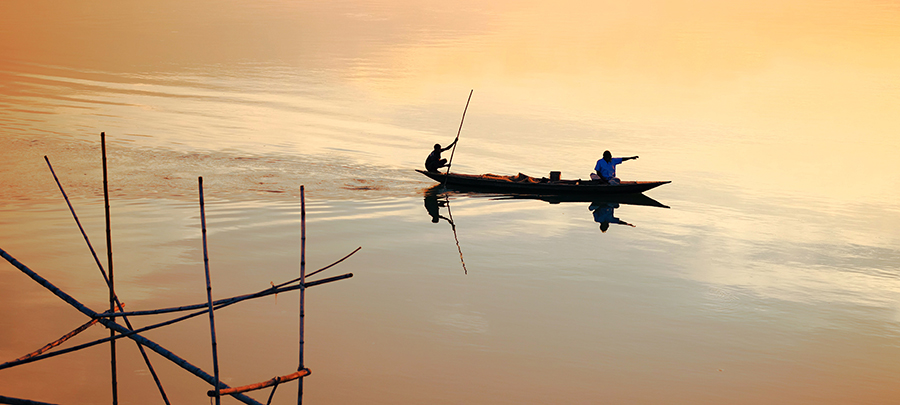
434, 208
603, 214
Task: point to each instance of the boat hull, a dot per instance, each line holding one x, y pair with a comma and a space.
543, 186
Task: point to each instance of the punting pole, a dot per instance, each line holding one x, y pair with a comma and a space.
302, 287
106, 279
121, 329
457, 135
212, 319
109, 257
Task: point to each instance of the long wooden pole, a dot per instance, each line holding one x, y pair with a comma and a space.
159, 386
109, 257
302, 287
212, 318
457, 135
121, 329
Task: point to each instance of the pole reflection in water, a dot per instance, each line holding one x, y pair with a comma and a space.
602, 207
433, 206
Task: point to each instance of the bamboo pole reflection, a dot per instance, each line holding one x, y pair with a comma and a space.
433, 205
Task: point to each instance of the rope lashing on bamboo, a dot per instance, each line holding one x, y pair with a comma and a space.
106, 279
260, 385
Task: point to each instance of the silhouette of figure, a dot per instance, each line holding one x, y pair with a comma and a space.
604, 215
433, 206
434, 162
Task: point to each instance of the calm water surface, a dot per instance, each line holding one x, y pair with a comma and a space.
773, 276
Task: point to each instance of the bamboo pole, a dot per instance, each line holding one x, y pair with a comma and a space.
59, 341
268, 383
159, 386
133, 335
17, 401
112, 288
450, 163
302, 287
229, 301
324, 268
212, 318
221, 304
272, 394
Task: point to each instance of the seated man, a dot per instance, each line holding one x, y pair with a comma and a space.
605, 170
434, 162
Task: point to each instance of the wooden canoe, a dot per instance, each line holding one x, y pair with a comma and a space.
540, 186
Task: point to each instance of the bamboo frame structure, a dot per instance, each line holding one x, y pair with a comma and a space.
219, 304
121, 308
118, 331
118, 328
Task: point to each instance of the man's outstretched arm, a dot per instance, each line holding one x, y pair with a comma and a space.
450, 145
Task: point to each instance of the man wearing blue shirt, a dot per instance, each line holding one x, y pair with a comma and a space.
606, 168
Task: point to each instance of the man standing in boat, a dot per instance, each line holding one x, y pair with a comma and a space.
434, 162
605, 170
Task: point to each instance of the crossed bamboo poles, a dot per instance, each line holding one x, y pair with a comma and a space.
107, 318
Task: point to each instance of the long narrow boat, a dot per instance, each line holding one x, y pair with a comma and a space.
533, 185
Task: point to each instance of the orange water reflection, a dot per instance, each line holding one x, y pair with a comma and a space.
773, 278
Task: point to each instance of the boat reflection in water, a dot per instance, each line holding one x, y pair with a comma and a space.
601, 206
